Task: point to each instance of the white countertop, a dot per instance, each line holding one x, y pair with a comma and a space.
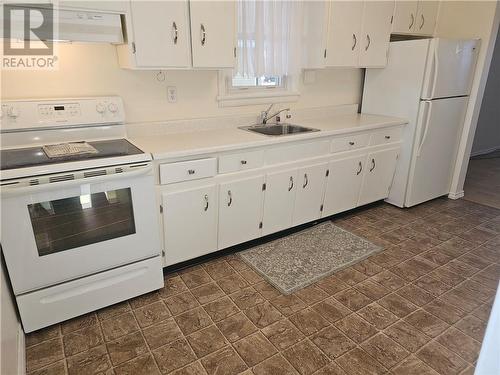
181, 144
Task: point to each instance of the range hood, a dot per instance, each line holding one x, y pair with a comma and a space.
64, 24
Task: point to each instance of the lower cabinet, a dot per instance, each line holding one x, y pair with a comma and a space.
279, 201
216, 215
310, 190
378, 175
240, 210
343, 185
189, 223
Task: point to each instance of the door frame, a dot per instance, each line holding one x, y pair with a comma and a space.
473, 109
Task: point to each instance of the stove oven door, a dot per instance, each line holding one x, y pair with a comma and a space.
63, 230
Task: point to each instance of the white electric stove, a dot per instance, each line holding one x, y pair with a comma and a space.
79, 229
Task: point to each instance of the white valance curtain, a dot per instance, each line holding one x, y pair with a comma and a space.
269, 34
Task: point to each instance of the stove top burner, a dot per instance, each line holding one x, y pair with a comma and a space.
35, 156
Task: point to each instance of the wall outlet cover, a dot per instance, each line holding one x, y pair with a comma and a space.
172, 94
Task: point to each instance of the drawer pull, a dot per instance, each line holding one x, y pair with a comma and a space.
230, 195
387, 137
351, 143
290, 187
191, 171
206, 202
306, 181
360, 169
373, 165
243, 162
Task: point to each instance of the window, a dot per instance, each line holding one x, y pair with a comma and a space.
238, 81
268, 56
236, 90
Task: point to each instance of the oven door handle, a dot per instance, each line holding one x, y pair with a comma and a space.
13, 191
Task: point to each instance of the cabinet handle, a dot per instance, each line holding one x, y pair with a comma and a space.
355, 41
360, 169
243, 162
290, 187
351, 143
306, 181
373, 165
191, 171
387, 137
230, 195
423, 21
203, 34
412, 21
368, 42
206, 202
175, 32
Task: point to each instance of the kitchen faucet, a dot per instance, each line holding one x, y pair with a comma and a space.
265, 117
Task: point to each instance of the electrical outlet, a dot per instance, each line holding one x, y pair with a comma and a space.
172, 94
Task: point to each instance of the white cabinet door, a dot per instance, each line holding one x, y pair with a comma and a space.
240, 210
310, 190
377, 178
376, 33
190, 223
279, 200
344, 182
161, 33
344, 33
315, 33
405, 17
213, 31
425, 21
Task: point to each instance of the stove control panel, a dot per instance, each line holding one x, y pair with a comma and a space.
59, 111
32, 114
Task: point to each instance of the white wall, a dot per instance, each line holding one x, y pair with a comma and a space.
487, 137
92, 69
10, 350
470, 19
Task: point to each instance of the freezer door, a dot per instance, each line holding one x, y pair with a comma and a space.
438, 133
450, 69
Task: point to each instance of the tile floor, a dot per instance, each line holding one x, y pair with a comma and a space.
482, 184
418, 307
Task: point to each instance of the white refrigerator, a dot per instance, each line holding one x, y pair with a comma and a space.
426, 81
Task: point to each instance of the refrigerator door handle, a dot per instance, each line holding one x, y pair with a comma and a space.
427, 117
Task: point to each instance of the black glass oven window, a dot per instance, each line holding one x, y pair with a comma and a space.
68, 223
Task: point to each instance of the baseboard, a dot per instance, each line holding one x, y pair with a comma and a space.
456, 195
21, 351
484, 152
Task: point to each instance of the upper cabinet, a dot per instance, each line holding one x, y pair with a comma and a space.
344, 32
375, 33
160, 34
353, 34
415, 17
213, 33
179, 34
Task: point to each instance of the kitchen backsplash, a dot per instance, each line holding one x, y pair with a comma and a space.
92, 70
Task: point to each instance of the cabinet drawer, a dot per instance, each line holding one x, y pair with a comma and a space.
384, 136
350, 142
187, 170
241, 161
286, 154
67, 300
